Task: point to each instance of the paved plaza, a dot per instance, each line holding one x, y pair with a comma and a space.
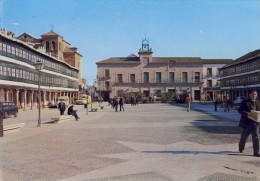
148, 142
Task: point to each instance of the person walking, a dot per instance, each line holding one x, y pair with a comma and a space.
248, 125
116, 104
225, 104
188, 102
136, 100
73, 112
62, 107
121, 103
216, 101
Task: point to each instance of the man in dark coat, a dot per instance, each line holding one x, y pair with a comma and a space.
216, 101
249, 126
73, 112
121, 103
116, 103
62, 107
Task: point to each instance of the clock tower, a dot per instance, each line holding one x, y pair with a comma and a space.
145, 53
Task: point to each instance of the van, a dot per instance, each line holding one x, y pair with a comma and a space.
87, 98
64, 99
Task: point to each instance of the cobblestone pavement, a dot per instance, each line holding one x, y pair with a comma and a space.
158, 142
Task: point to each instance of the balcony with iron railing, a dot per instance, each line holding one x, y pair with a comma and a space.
211, 75
190, 82
239, 70
104, 78
105, 88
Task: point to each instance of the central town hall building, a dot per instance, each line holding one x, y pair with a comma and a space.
155, 75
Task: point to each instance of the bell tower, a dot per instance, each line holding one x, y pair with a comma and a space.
145, 53
145, 45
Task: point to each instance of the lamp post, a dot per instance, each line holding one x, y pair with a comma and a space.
39, 66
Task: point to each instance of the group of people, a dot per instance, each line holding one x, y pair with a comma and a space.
71, 111
134, 100
226, 103
114, 102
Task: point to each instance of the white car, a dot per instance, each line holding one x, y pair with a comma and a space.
81, 101
239, 99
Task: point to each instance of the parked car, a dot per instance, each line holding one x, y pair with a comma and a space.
52, 105
81, 101
180, 98
65, 99
239, 99
9, 109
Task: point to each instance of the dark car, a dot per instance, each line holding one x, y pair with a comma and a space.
9, 108
181, 98
51, 105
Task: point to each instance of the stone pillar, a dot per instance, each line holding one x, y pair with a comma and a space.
43, 99
36, 99
55, 97
24, 99
49, 96
17, 98
2, 95
73, 97
7, 96
11, 95
31, 99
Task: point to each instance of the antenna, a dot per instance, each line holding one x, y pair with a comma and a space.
50, 25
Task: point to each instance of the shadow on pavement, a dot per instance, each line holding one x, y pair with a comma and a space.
193, 152
220, 129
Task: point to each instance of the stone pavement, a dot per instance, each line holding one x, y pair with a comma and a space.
31, 116
158, 142
208, 108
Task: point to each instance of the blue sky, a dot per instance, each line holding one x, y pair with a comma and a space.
101, 29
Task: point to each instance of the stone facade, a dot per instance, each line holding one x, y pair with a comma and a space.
19, 79
240, 76
55, 46
155, 75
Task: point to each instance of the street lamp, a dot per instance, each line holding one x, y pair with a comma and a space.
39, 66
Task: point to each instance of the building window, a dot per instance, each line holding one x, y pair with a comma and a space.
171, 77
158, 77
13, 72
209, 72
47, 45
107, 85
184, 78
53, 45
132, 78
119, 78
146, 77
218, 72
218, 84
209, 83
197, 77
107, 73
